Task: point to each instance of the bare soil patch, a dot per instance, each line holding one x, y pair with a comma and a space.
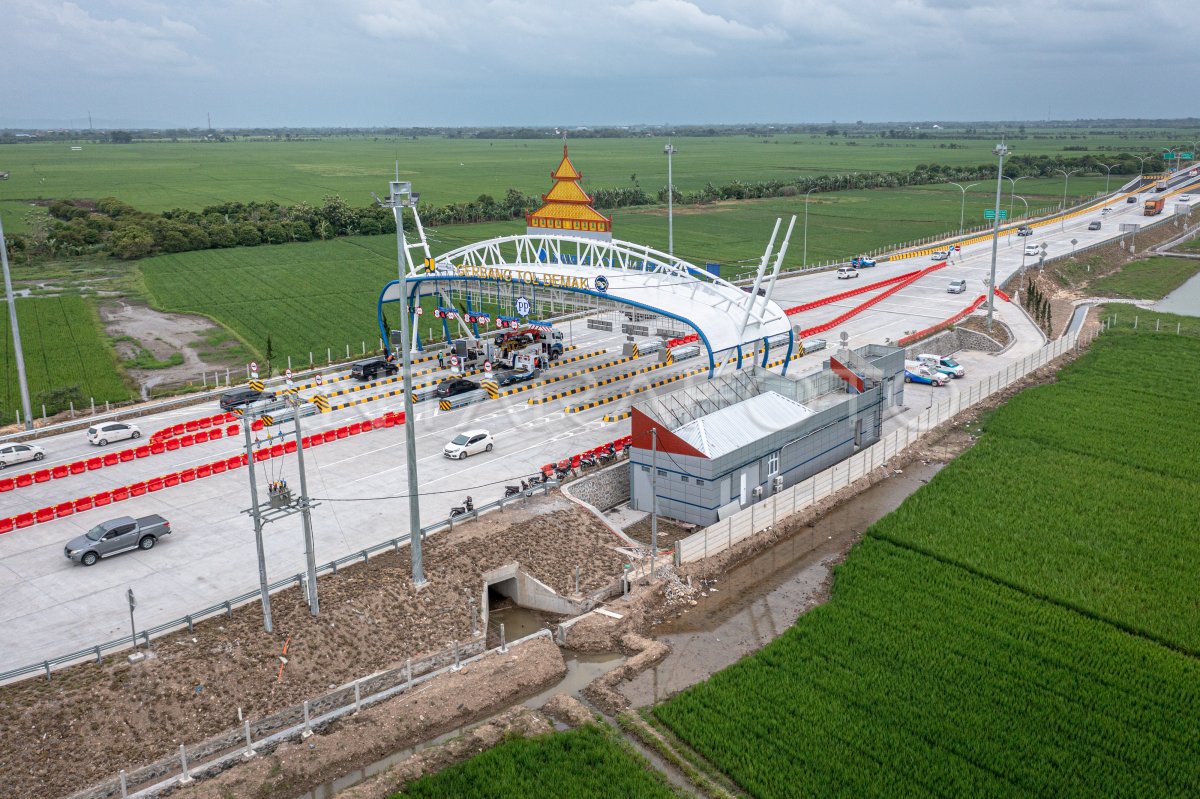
91, 720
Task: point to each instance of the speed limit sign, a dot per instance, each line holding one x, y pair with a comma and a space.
254, 369
318, 380
454, 361
487, 366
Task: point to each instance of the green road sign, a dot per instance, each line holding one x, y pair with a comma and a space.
990, 213
1177, 156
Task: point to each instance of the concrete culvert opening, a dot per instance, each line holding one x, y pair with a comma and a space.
521, 603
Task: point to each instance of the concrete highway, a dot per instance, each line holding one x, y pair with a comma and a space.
50, 605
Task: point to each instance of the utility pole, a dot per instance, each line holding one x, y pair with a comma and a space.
16, 332
653, 500
670, 151
255, 513
310, 557
1001, 151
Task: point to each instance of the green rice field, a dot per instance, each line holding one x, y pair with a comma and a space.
1025, 624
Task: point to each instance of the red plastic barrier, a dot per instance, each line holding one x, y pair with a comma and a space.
232, 430
137, 489
377, 423
82, 504
24, 480
216, 432
191, 427
262, 455
1000, 293
235, 462
41, 476
575, 461
202, 437
78, 467
95, 463
141, 452
205, 423
863, 306
187, 441
329, 435
256, 425
7, 484
354, 429
154, 484
342, 432
289, 446
203, 470
808, 306
311, 441
126, 455
110, 458
157, 447
172, 444
120, 494
171, 479
24, 520
389, 420
399, 417
217, 467
7, 525
44, 514
230, 417
178, 429
103, 498
60, 471
187, 475
64, 509
943, 324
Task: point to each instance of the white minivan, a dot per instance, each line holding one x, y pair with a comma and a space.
99, 435
846, 272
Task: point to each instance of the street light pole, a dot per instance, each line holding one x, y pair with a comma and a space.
1062, 217
1012, 193
1142, 164
670, 150
1106, 179
399, 198
1001, 150
653, 499
804, 259
16, 332
962, 209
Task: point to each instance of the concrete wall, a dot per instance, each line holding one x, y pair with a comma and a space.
949, 342
604, 489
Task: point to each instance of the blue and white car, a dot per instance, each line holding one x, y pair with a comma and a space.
942, 363
917, 372
862, 262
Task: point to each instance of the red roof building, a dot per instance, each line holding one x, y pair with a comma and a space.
567, 209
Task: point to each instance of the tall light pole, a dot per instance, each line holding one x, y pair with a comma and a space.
1012, 193
670, 150
16, 332
1142, 163
804, 260
1001, 150
400, 197
1062, 217
962, 209
1106, 179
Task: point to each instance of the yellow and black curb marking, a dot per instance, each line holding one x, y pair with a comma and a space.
557, 378
257, 384
322, 403
616, 417
363, 400
491, 387
635, 351
605, 400
575, 358
267, 420
670, 359
444, 405
589, 386
364, 386
325, 381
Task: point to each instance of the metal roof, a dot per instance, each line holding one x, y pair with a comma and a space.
736, 426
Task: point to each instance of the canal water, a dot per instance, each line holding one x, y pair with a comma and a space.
1184, 300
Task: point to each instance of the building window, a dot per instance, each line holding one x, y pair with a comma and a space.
662, 472
683, 478
699, 482
773, 464
645, 468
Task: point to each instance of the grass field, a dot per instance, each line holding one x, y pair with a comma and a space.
157, 176
1151, 279
586, 763
64, 352
1025, 624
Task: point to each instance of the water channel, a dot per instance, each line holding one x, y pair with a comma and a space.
745, 610
1184, 300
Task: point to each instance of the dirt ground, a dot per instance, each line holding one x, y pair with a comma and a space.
162, 334
90, 720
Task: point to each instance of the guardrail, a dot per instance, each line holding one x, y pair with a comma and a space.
226, 607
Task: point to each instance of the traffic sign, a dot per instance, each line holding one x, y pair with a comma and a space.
523, 306
132, 601
454, 361
487, 366
957, 248
254, 369
990, 213
318, 380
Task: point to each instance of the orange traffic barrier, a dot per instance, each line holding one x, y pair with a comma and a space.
120, 494
256, 425
44, 514
217, 467
234, 462
7, 484
216, 432
203, 470
62, 470
24, 520
103, 498
191, 427
64, 509
24, 480
95, 463
41, 476
262, 455
137, 489
7, 525
172, 444
154, 484
187, 441
111, 458
329, 435
157, 448
202, 437
289, 446
231, 430
126, 455
171, 479
141, 452
78, 467
342, 432
276, 450
82, 504
187, 475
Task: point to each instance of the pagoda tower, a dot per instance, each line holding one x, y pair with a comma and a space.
567, 209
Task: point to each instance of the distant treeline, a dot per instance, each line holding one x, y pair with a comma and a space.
111, 227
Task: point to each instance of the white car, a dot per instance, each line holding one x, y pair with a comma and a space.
101, 434
846, 272
1185, 198
940, 255
19, 453
468, 442
956, 287
1033, 249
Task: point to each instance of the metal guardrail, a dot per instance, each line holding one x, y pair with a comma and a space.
226, 607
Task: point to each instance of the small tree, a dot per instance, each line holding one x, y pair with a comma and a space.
270, 354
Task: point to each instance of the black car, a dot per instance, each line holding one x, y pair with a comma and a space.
1131, 199
518, 376
748, 289
1093, 225
239, 397
448, 388
370, 368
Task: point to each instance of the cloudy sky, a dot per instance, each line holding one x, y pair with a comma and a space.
156, 63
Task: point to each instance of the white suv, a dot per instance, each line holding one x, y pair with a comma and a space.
99, 435
846, 272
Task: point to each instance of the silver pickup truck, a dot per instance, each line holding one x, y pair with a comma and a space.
115, 536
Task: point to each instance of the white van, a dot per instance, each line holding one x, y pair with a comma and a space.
99, 435
846, 272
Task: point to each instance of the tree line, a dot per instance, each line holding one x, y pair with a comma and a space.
111, 227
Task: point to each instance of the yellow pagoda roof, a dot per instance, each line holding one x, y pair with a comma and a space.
566, 170
567, 192
552, 210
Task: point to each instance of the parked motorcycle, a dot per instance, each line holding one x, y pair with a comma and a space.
514, 490
607, 454
588, 460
